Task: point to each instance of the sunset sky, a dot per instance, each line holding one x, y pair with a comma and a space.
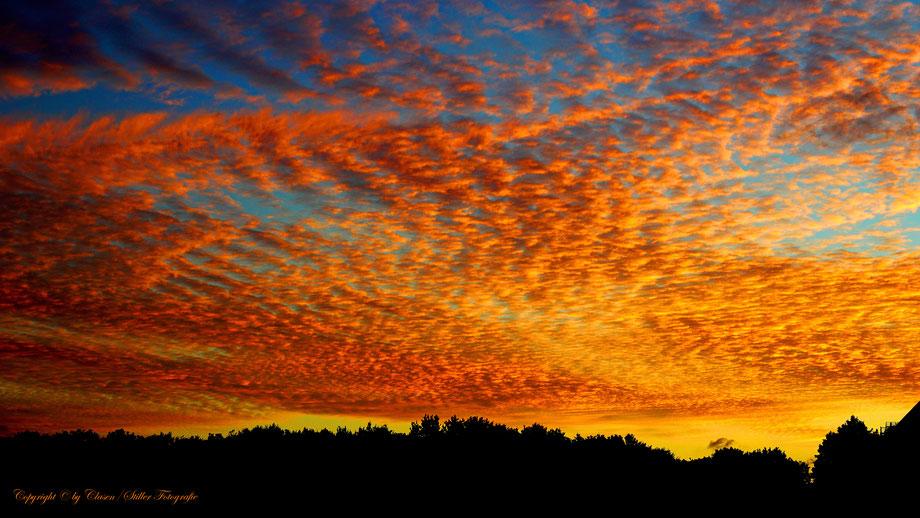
684, 220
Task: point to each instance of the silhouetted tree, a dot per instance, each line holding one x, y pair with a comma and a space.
849, 458
477, 429
375, 433
428, 429
538, 432
739, 472
120, 436
81, 436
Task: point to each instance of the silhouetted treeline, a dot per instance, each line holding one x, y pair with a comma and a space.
472, 459
856, 460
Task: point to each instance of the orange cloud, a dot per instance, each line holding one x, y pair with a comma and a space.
699, 213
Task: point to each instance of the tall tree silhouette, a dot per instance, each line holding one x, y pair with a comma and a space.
849, 458
429, 428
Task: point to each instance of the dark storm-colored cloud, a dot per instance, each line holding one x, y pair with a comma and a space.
123, 35
721, 442
46, 46
223, 49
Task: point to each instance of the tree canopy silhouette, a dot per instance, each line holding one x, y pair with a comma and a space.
848, 458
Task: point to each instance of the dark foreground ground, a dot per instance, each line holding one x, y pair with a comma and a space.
476, 467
